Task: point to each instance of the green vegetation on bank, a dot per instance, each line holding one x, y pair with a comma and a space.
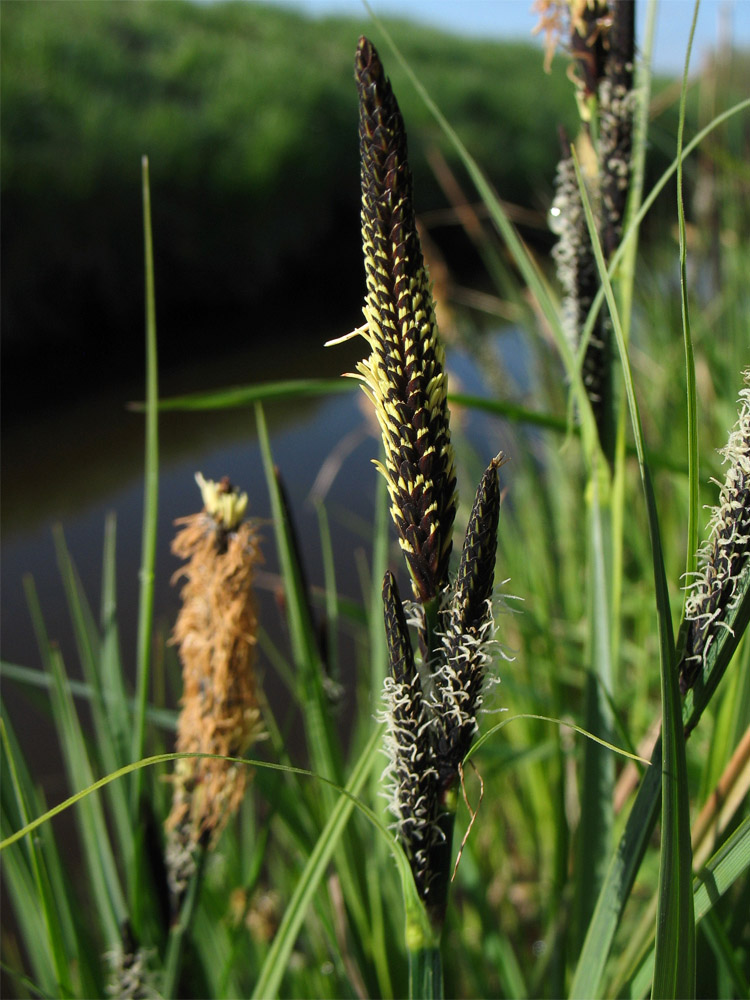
246, 113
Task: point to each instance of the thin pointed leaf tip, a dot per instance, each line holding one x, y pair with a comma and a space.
404, 375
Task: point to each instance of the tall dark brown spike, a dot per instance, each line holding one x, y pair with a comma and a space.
404, 375
476, 570
616, 122
459, 682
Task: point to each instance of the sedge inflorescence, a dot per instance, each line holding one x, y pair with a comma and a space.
601, 41
430, 707
404, 375
216, 634
724, 560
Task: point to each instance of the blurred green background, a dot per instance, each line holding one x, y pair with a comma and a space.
248, 114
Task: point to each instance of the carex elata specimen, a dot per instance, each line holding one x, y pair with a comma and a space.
431, 705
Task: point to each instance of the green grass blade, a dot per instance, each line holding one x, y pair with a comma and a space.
331, 598
727, 865
278, 956
620, 878
690, 388
89, 646
150, 502
304, 647
114, 693
630, 234
674, 973
247, 395
35, 904
598, 776
100, 862
674, 954
675, 927
30, 677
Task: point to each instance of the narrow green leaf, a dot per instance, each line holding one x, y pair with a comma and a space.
114, 693
301, 628
150, 501
100, 862
90, 652
277, 959
27, 880
246, 395
726, 866
598, 775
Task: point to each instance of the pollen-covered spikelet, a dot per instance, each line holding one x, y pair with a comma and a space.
216, 634
460, 679
404, 375
724, 560
410, 775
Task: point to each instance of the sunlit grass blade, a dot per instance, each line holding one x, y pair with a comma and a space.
691, 408
629, 238
619, 881
598, 775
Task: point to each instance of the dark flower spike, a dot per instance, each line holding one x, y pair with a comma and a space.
460, 681
404, 375
725, 558
412, 778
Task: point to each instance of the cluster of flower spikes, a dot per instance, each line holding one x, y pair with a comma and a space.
431, 712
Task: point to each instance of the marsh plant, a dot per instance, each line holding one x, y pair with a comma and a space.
431, 709
547, 851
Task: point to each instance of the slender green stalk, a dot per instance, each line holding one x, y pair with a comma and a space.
150, 502
690, 388
268, 982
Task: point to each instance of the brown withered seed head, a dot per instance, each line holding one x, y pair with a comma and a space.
404, 375
216, 634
